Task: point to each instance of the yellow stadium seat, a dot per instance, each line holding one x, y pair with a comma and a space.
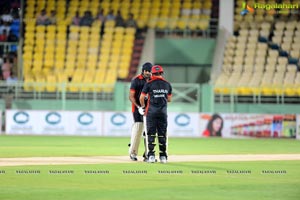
27, 65
113, 64
110, 79
60, 56
82, 52
28, 83
70, 63
29, 41
172, 23
162, 23
125, 58
118, 37
123, 73
62, 79
130, 31
165, 11
81, 64
290, 91
72, 43
40, 29
124, 65
192, 24
37, 64
99, 79
103, 64
152, 22
69, 72
267, 91
30, 29
51, 29
51, 83
116, 51
59, 64
84, 37
181, 24
129, 38
203, 24
141, 23
117, 44
119, 30
88, 81
39, 83
76, 81
94, 38
61, 29
49, 63
74, 29
127, 47
110, 24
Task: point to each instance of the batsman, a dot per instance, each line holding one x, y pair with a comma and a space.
137, 130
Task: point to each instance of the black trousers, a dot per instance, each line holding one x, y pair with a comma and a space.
137, 117
157, 124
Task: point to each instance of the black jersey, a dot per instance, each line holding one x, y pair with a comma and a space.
158, 90
137, 85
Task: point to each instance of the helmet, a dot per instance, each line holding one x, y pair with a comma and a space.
157, 69
147, 66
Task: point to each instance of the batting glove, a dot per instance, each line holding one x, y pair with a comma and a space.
141, 110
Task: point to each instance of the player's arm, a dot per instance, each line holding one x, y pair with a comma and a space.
143, 95
142, 99
169, 97
170, 94
132, 99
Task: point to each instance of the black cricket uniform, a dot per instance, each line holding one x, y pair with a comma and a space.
137, 85
158, 90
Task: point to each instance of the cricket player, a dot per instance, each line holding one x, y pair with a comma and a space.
137, 130
159, 93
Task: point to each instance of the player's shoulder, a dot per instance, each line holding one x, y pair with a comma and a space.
159, 79
137, 78
140, 77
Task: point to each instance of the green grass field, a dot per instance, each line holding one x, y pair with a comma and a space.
29, 146
262, 180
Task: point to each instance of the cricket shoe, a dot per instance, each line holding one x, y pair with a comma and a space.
145, 158
133, 157
163, 159
151, 159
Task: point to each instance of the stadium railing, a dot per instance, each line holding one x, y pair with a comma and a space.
186, 97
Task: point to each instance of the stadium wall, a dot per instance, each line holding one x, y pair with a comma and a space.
187, 74
183, 60
184, 51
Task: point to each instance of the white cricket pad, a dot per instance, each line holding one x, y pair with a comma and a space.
146, 136
136, 134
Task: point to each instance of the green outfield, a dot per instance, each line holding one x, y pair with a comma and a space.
29, 146
262, 180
